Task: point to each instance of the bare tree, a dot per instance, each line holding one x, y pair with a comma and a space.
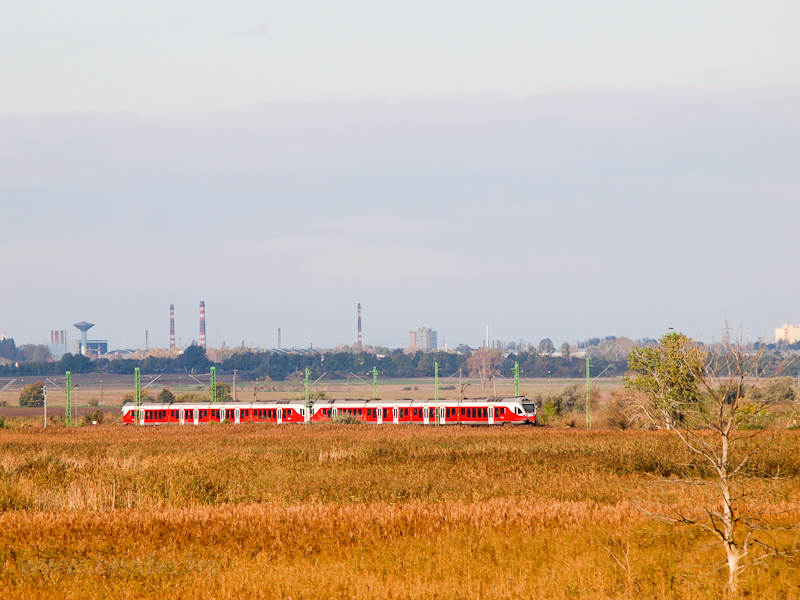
484, 363
720, 422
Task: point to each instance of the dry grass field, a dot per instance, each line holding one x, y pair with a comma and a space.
338, 511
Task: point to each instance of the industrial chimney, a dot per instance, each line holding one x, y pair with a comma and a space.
171, 326
359, 323
202, 324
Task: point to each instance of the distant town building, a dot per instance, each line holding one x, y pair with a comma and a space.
423, 339
94, 348
787, 334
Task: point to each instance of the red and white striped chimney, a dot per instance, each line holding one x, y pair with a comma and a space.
359, 323
171, 326
202, 324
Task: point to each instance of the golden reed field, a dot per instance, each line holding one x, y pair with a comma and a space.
356, 511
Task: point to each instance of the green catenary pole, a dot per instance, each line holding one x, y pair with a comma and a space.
308, 403
212, 386
436, 386
68, 400
516, 379
374, 383
137, 394
588, 395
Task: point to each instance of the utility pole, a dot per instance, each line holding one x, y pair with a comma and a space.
308, 404
44, 393
436, 389
212, 386
588, 394
68, 400
235, 371
137, 394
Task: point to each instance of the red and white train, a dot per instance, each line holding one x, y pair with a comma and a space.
470, 411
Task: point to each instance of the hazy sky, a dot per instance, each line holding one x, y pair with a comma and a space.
567, 169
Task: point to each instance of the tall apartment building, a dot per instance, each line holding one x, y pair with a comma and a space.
423, 339
787, 334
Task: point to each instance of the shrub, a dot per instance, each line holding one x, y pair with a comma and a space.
165, 396
32, 395
616, 415
97, 415
779, 390
551, 409
223, 392
572, 397
146, 397
192, 397
94, 402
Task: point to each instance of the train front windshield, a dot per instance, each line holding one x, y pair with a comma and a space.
530, 409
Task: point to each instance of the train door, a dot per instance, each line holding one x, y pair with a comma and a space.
221, 415
280, 415
141, 416
334, 413
426, 416
491, 415
237, 415
442, 415
182, 416
196, 416
380, 415
396, 415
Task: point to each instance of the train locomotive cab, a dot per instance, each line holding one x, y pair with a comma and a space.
522, 411
529, 408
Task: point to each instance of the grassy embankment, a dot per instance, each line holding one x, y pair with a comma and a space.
357, 512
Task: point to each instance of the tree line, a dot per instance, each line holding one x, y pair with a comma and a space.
334, 365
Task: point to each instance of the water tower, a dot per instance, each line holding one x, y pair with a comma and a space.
84, 327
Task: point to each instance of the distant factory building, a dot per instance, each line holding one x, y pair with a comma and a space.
423, 339
787, 334
94, 348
